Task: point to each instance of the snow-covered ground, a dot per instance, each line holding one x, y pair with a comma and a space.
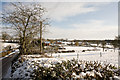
28, 65
31, 62
13, 45
3, 45
108, 56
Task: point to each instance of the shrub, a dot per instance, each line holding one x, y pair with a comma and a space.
75, 70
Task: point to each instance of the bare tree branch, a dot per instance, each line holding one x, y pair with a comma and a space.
26, 21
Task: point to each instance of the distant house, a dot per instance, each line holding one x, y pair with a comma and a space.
46, 43
58, 42
80, 43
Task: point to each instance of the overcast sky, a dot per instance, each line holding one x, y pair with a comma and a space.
81, 20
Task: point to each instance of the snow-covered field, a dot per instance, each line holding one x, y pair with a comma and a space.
13, 45
108, 56
25, 69
3, 45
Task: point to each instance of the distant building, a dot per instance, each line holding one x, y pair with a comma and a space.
46, 43
58, 42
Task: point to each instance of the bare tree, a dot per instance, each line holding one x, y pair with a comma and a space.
117, 37
103, 45
115, 44
76, 43
5, 36
26, 20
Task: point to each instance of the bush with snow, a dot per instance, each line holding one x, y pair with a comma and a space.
73, 69
53, 69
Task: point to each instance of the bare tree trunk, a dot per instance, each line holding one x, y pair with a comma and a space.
40, 37
103, 49
23, 46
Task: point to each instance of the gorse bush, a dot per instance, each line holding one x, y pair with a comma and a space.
73, 69
36, 68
